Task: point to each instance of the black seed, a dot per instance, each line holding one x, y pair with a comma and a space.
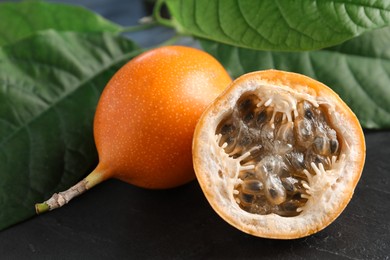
261, 117
288, 185
248, 117
334, 145
245, 105
253, 186
273, 193
291, 205
320, 159
309, 114
296, 196
297, 160
227, 129
246, 198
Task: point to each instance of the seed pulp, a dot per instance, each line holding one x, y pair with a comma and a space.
281, 148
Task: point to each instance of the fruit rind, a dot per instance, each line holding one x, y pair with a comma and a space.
333, 190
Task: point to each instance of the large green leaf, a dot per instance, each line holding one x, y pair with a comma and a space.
278, 25
49, 86
358, 70
19, 20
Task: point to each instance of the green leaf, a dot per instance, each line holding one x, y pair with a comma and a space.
19, 20
358, 70
278, 25
49, 87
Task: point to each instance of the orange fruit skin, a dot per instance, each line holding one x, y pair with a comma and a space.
146, 116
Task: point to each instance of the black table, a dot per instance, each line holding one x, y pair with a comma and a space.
118, 221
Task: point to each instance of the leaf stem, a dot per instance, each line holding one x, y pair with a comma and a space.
139, 27
97, 176
158, 17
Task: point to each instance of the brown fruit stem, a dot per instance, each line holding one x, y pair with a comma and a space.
97, 176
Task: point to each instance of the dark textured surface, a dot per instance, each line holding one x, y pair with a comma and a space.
118, 221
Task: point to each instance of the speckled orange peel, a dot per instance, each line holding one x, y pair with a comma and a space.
278, 154
145, 120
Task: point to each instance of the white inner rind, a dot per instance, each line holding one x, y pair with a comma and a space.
329, 190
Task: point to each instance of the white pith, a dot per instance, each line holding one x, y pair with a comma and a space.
326, 189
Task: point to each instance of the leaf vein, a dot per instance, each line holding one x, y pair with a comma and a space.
250, 27
220, 23
195, 18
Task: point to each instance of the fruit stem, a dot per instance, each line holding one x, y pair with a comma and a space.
97, 176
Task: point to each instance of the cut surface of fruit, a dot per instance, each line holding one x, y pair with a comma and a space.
278, 154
